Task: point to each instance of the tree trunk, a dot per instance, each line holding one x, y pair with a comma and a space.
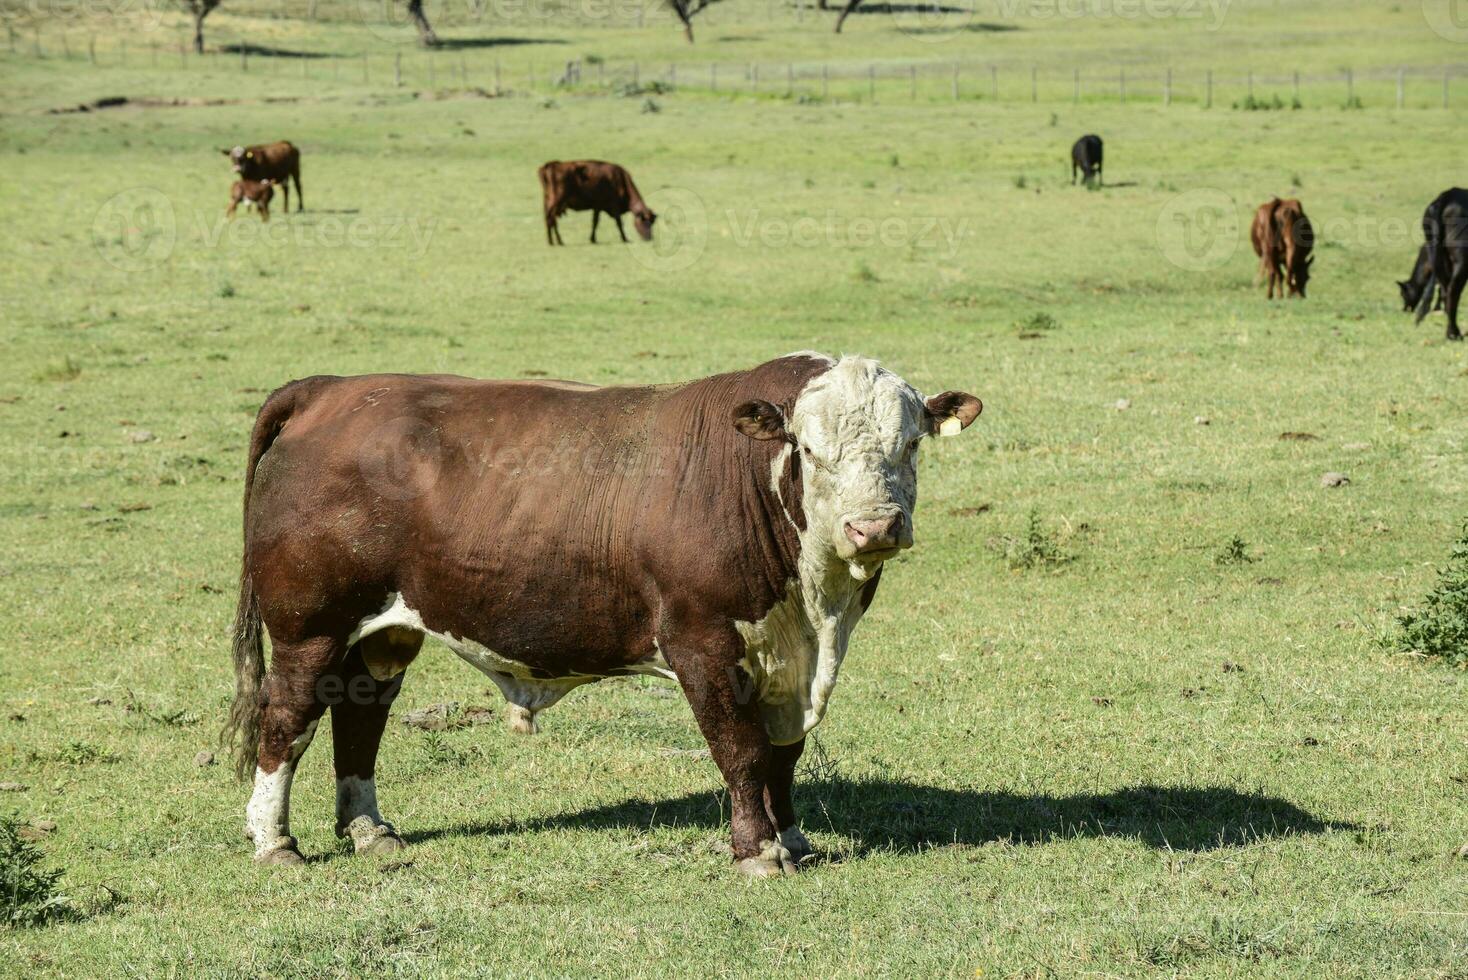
199, 16
425, 31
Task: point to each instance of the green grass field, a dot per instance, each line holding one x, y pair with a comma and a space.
1141, 758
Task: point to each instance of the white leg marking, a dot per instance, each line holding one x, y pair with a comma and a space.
268, 815
521, 720
357, 816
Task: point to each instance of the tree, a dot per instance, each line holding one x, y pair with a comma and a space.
687, 10
425, 30
200, 9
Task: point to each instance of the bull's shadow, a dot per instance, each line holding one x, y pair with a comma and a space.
888, 815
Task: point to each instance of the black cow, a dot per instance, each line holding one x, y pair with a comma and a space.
1085, 158
1420, 279
1445, 227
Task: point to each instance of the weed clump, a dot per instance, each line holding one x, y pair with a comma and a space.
29, 896
1036, 547
1438, 629
1235, 552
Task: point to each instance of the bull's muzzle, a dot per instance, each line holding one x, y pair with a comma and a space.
879, 537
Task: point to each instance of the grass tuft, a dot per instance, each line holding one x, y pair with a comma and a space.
1035, 547
1234, 552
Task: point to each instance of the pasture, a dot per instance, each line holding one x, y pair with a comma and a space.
1126, 708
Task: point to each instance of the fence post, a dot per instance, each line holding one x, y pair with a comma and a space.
713, 76
183, 55
636, 68
1076, 92
955, 81
1401, 87
912, 82
871, 83
1167, 89
1208, 97
65, 46
1350, 86
397, 70
994, 82
1034, 84
92, 49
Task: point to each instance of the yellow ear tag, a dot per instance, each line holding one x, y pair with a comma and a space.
950, 427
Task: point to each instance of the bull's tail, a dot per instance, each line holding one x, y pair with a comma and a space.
1437, 257
242, 728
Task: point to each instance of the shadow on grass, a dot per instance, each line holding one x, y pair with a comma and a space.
260, 51
886, 815
467, 43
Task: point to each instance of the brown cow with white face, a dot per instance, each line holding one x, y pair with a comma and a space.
726, 533
277, 162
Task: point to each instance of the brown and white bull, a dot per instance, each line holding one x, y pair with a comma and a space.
726, 533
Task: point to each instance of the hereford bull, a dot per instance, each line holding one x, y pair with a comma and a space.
1283, 237
1085, 159
727, 533
270, 161
595, 186
1445, 228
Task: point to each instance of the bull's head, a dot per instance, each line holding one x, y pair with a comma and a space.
855, 432
642, 221
1411, 293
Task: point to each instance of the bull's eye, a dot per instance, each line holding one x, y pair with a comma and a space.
811, 459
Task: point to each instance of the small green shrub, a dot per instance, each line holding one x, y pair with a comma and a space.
1035, 547
28, 895
1020, 182
1439, 628
1040, 321
66, 369
1235, 552
864, 273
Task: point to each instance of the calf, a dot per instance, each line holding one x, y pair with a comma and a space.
1445, 227
273, 161
726, 533
1085, 159
595, 186
255, 194
1283, 237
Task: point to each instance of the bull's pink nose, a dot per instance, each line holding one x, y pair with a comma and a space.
880, 533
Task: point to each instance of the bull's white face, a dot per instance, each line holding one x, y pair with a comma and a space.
856, 429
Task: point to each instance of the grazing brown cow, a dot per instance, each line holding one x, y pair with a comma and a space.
1282, 238
595, 186
255, 193
273, 161
726, 533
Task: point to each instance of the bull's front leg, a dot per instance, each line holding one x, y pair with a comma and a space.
780, 801
723, 702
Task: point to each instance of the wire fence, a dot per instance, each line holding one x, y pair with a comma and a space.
449, 68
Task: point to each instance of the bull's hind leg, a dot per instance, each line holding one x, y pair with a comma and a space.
291, 708
371, 675
1452, 295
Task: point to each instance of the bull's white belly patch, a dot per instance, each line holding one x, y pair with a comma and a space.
515, 680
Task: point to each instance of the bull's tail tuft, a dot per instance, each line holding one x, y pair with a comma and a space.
242, 728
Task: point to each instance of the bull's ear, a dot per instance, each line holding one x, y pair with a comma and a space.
760, 420
950, 407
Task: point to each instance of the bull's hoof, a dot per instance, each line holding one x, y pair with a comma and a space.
370, 837
795, 842
283, 853
773, 861
521, 720
382, 844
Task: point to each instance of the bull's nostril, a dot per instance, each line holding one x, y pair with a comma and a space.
880, 532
